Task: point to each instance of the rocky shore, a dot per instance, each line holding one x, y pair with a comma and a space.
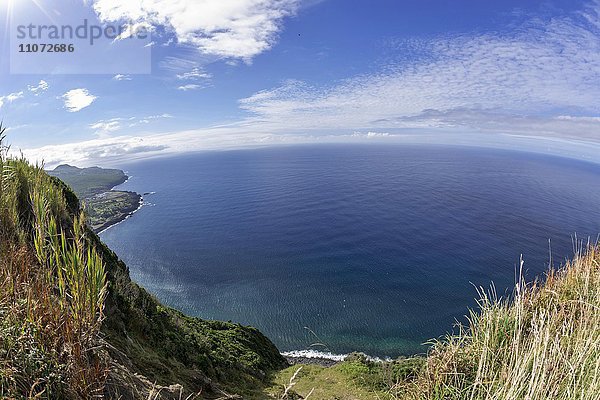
133, 203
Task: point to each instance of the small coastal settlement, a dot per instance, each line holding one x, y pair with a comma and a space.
94, 186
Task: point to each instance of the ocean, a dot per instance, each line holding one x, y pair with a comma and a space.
340, 248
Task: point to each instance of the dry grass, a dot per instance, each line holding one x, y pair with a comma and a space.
544, 343
52, 290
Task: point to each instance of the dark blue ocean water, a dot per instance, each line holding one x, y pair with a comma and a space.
373, 248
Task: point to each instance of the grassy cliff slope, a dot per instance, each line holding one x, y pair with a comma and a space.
74, 325
542, 343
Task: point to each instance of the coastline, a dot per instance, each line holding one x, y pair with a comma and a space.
324, 359
123, 215
323, 362
125, 212
98, 189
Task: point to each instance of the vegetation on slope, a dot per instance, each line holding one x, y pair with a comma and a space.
74, 325
543, 343
88, 182
52, 291
356, 378
109, 208
104, 207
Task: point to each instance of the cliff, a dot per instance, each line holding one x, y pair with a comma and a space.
74, 325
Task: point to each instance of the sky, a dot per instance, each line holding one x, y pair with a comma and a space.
224, 74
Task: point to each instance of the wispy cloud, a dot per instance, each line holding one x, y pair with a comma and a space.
120, 149
186, 71
194, 74
9, 98
36, 90
191, 86
42, 86
159, 116
197, 78
90, 152
114, 149
482, 82
104, 128
232, 29
131, 29
77, 99
539, 80
121, 77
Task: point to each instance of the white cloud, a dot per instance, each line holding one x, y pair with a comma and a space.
187, 68
492, 82
134, 29
119, 149
9, 98
121, 77
165, 115
110, 149
14, 96
195, 74
537, 84
77, 99
578, 119
104, 128
38, 89
95, 151
41, 87
224, 28
191, 86
108, 126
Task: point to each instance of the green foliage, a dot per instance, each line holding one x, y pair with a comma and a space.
52, 291
544, 343
357, 377
60, 286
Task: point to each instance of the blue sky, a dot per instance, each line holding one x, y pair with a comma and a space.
238, 73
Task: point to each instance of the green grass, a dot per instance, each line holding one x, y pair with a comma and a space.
542, 343
325, 383
110, 207
52, 290
355, 378
69, 310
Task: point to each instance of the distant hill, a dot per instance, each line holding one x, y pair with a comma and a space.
104, 206
88, 182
